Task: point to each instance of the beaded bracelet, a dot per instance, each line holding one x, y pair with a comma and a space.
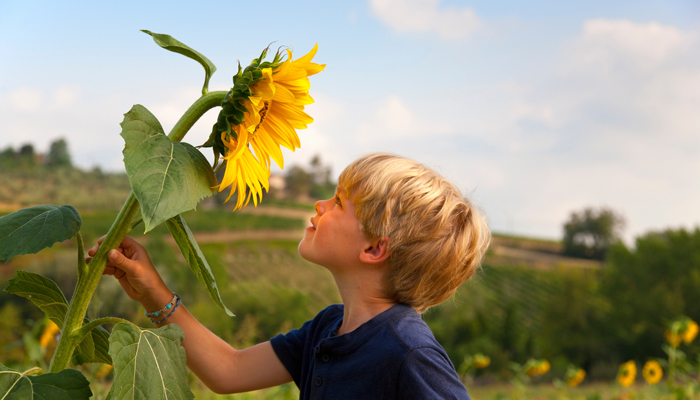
165, 308
169, 315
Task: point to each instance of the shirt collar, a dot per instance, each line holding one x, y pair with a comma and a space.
350, 341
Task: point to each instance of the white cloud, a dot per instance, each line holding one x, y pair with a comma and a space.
623, 112
64, 96
393, 119
426, 16
605, 45
26, 99
618, 131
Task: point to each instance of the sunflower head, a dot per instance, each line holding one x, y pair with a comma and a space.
49, 334
691, 332
652, 372
481, 361
574, 376
682, 329
233, 109
537, 367
261, 113
627, 373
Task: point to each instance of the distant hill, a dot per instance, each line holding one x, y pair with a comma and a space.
85, 190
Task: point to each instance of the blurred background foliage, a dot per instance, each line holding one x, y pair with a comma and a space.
530, 299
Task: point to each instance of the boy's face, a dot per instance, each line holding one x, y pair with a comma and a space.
334, 238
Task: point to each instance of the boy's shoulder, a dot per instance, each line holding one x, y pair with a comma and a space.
393, 355
400, 327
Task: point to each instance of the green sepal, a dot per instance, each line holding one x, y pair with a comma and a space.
68, 384
232, 109
30, 230
195, 258
170, 43
46, 295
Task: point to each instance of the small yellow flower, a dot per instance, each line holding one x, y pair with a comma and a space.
690, 332
537, 367
627, 373
652, 372
103, 371
576, 378
672, 338
481, 361
49, 334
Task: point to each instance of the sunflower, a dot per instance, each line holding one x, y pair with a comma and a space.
104, 370
49, 334
243, 170
259, 115
652, 372
575, 376
672, 338
691, 331
627, 373
537, 367
481, 361
277, 107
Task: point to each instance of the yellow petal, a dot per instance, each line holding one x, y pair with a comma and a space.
283, 95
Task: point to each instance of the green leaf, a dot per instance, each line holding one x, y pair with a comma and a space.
190, 250
170, 43
32, 229
68, 384
167, 178
46, 295
149, 363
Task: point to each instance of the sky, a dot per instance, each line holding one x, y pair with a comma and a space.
534, 109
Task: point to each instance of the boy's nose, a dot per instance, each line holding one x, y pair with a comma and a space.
321, 206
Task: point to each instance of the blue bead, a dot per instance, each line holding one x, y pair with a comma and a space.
146, 313
156, 313
169, 306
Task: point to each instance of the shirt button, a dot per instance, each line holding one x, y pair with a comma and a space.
318, 381
325, 358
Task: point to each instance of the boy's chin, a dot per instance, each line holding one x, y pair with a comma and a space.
302, 250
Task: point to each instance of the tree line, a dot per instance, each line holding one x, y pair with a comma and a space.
26, 157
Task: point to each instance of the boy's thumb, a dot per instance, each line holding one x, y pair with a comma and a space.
118, 259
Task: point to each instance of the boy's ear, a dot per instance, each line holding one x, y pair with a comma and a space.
376, 252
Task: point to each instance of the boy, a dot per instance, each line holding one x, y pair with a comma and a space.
398, 239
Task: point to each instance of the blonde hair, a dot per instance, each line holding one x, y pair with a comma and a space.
437, 238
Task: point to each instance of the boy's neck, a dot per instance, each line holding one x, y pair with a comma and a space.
362, 301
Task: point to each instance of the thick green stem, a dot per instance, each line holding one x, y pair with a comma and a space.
82, 265
89, 277
196, 110
87, 283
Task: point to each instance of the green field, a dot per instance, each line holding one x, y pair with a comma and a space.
525, 302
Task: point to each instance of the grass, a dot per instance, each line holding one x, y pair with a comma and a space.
592, 391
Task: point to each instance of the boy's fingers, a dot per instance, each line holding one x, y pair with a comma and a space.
109, 270
100, 240
117, 259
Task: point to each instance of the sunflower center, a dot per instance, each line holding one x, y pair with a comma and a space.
263, 114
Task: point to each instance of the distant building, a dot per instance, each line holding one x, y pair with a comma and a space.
277, 185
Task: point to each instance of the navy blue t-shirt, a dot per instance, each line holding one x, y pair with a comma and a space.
392, 356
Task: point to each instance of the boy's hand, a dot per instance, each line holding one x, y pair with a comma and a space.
132, 266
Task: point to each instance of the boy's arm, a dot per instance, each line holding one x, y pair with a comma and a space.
221, 367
